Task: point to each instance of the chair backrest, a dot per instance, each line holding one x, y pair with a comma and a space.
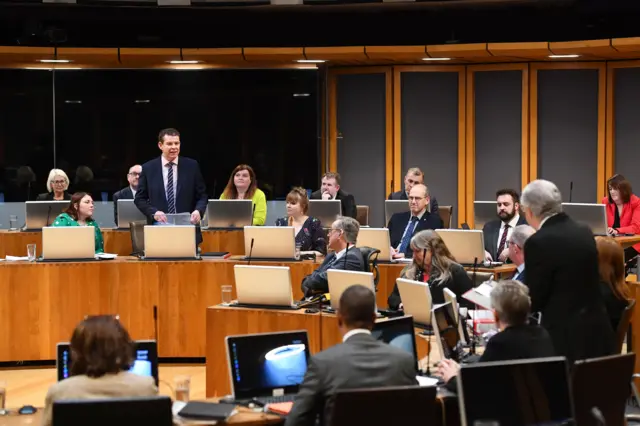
136, 230
445, 213
623, 325
114, 411
480, 277
602, 383
362, 215
402, 405
370, 256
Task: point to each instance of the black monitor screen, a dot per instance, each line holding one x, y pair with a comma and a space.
397, 332
261, 363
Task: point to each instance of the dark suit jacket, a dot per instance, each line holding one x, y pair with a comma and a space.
398, 223
123, 194
521, 276
317, 280
191, 191
347, 201
614, 306
402, 195
491, 231
360, 362
563, 280
48, 196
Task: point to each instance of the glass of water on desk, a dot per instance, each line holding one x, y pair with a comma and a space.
31, 252
297, 252
13, 222
226, 295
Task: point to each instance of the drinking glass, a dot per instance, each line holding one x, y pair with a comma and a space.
31, 252
226, 295
13, 222
297, 253
182, 385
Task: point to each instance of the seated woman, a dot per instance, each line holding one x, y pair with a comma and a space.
517, 339
242, 185
613, 286
433, 264
101, 355
309, 232
79, 213
623, 212
57, 185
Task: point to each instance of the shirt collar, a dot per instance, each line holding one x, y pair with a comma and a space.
419, 215
354, 332
165, 161
133, 190
512, 223
520, 268
343, 251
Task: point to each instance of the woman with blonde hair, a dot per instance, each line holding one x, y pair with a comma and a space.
613, 286
57, 185
243, 185
433, 264
308, 230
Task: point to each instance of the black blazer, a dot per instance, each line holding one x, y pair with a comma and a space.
48, 196
347, 201
402, 195
459, 283
191, 191
562, 275
491, 232
317, 280
123, 194
311, 237
520, 276
398, 223
360, 362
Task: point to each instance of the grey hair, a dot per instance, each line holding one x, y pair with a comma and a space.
542, 197
349, 226
52, 175
511, 301
521, 234
441, 258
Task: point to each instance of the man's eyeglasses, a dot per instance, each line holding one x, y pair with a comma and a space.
134, 174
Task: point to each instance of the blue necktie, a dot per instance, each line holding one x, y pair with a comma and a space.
406, 238
171, 199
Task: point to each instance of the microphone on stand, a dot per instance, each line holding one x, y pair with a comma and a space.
253, 213
597, 414
48, 215
570, 190
250, 251
155, 322
345, 257
392, 186
473, 319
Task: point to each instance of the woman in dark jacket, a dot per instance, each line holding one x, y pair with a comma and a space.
309, 233
613, 286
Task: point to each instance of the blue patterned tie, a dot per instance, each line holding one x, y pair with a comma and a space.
406, 238
171, 199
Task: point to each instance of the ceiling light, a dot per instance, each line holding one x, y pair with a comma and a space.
54, 61
563, 56
436, 59
184, 62
311, 61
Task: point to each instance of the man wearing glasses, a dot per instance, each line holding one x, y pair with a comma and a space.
403, 226
414, 176
129, 192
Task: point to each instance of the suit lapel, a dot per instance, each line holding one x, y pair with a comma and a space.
494, 240
163, 190
179, 178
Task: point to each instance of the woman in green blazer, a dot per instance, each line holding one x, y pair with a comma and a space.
79, 213
242, 185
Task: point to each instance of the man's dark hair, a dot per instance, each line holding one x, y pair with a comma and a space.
357, 307
514, 195
167, 132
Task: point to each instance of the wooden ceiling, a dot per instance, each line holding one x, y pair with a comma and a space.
287, 57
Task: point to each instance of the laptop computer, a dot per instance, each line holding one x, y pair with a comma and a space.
145, 356
416, 299
450, 296
169, 242
466, 246
326, 211
130, 411
229, 214
68, 243
127, 213
269, 367
377, 238
39, 214
264, 286
392, 207
398, 332
340, 280
483, 212
592, 215
277, 243
446, 331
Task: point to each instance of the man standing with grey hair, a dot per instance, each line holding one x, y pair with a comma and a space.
342, 240
562, 276
519, 237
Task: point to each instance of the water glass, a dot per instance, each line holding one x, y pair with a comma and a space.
31, 252
297, 252
13, 222
182, 385
226, 295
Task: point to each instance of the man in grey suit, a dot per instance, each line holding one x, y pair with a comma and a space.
359, 362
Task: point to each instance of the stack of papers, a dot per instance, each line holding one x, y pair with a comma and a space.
480, 295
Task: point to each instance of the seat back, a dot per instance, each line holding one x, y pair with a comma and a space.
362, 215
115, 411
136, 229
623, 325
445, 213
370, 256
480, 277
401, 405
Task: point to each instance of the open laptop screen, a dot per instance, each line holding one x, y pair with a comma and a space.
398, 332
269, 364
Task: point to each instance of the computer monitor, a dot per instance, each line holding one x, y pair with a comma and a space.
592, 215
68, 243
39, 214
326, 211
145, 359
263, 285
377, 238
416, 299
398, 332
466, 246
170, 242
269, 242
229, 214
392, 207
267, 364
483, 212
130, 411
516, 393
340, 280
445, 328
128, 212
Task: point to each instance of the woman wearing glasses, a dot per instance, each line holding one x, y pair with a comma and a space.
57, 185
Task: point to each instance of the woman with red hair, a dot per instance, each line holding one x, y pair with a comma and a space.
623, 212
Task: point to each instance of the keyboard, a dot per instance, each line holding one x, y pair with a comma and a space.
275, 399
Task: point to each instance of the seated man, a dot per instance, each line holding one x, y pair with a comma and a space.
414, 176
497, 232
403, 226
342, 236
516, 339
519, 236
359, 362
331, 191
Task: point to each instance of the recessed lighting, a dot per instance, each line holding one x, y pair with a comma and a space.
184, 62
563, 56
301, 95
142, 101
311, 61
436, 59
307, 68
54, 61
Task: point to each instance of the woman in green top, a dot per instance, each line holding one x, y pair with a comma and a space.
79, 213
242, 185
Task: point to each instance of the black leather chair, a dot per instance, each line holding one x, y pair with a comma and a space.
370, 256
623, 326
136, 230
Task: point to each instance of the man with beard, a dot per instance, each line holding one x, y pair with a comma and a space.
498, 232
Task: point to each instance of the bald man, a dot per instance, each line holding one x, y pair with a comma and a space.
129, 192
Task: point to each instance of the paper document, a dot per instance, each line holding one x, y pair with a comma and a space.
480, 295
16, 258
106, 256
426, 381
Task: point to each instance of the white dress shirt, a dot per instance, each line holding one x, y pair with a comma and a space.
342, 253
512, 224
354, 332
133, 191
165, 175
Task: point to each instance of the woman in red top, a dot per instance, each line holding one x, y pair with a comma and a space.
623, 212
